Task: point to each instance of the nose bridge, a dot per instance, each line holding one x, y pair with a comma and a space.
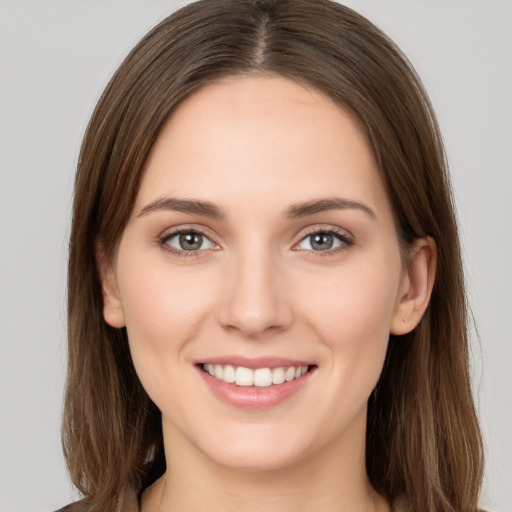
253, 301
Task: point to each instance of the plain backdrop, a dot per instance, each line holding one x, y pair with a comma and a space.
56, 56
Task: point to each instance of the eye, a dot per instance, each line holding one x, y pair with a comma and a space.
188, 241
322, 241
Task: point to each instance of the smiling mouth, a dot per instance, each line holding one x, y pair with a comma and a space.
259, 377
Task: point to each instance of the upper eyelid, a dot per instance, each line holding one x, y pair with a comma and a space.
170, 232
324, 228
303, 233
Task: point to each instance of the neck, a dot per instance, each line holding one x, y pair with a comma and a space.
330, 481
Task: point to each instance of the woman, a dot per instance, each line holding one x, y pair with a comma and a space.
266, 304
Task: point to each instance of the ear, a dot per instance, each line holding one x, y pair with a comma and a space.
416, 286
113, 312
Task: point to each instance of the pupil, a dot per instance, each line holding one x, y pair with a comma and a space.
191, 241
322, 241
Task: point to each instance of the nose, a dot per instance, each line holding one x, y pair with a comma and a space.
255, 301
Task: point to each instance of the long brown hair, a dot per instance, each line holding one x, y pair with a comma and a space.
423, 439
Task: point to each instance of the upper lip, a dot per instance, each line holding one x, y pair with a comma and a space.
254, 362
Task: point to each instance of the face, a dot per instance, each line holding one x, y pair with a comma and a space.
259, 275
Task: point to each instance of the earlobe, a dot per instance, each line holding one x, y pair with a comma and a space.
113, 312
416, 287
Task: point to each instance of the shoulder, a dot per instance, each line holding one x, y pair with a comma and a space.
72, 507
77, 506
400, 504
131, 504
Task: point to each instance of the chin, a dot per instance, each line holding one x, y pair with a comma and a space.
256, 460
257, 448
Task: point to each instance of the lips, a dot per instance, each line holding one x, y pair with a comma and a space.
255, 384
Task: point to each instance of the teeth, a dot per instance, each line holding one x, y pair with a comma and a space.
244, 377
261, 377
277, 375
289, 374
228, 374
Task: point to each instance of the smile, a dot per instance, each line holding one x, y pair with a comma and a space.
258, 377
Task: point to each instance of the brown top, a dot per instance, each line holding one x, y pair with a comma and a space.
399, 505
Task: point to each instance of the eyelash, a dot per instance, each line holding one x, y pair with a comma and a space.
162, 241
346, 241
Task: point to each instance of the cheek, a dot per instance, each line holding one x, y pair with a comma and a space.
356, 307
164, 311
353, 316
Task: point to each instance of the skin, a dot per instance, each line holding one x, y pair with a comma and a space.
254, 147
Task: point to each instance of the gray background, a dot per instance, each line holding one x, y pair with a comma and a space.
55, 58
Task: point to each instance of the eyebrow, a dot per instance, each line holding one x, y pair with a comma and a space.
296, 210
321, 205
184, 205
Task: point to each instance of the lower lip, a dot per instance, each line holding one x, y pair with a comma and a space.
254, 398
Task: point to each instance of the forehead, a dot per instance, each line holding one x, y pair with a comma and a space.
264, 136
